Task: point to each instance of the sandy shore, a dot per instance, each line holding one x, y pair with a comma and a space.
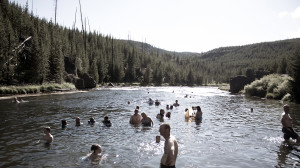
41, 94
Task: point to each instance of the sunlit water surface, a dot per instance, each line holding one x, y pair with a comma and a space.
230, 135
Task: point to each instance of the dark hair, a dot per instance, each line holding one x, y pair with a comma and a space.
166, 126
168, 114
63, 122
198, 108
48, 129
94, 147
106, 118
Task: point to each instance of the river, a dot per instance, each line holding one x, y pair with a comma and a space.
230, 134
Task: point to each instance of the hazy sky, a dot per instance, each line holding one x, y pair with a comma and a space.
181, 25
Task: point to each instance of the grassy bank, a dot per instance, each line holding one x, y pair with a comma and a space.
272, 86
31, 89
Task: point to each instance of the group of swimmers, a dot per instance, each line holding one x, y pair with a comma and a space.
168, 159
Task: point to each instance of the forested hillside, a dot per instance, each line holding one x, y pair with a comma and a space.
51, 52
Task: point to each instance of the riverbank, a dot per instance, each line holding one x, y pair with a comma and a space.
9, 92
40, 94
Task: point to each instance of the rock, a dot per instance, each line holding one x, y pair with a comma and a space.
237, 83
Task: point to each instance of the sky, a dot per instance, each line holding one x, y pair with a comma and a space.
179, 25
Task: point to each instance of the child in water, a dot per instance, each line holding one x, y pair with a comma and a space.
106, 121
96, 155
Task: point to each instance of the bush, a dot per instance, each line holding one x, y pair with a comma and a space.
34, 88
272, 86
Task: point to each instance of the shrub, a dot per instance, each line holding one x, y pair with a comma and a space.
272, 86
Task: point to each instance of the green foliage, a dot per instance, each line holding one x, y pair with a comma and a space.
48, 87
295, 73
41, 59
272, 86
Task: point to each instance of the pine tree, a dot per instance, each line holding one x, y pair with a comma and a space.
296, 75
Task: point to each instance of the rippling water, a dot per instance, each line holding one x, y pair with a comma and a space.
230, 135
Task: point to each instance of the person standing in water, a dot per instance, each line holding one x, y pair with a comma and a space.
146, 121
198, 113
287, 127
169, 157
135, 118
48, 138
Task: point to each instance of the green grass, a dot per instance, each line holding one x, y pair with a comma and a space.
272, 86
29, 89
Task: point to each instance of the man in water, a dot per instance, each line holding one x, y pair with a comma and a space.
169, 157
48, 138
287, 127
135, 118
176, 103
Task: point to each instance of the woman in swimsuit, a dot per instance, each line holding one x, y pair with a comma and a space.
146, 121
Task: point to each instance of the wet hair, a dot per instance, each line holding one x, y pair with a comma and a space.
48, 129
63, 122
168, 114
137, 107
286, 106
144, 114
136, 110
92, 120
95, 147
162, 110
105, 118
198, 108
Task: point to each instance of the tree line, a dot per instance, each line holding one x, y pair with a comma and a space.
53, 51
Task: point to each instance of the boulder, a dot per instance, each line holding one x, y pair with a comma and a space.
238, 83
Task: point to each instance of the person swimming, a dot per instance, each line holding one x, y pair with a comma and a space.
91, 121
146, 121
106, 121
78, 123
198, 113
96, 154
176, 103
48, 138
63, 124
161, 114
168, 114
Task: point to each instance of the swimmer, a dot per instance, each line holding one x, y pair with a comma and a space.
168, 107
146, 121
287, 126
78, 123
161, 114
150, 101
168, 114
170, 149
176, 103
157, 139
135, 118
47, 135
16, 100
199, 113
96, 155
106, 121
137, 107
157, 103
63, 124
92, 121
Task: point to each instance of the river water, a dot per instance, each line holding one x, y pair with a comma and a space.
230, 135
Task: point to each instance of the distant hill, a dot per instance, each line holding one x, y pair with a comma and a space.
53, 53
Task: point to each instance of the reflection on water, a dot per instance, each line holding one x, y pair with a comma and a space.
230, 134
